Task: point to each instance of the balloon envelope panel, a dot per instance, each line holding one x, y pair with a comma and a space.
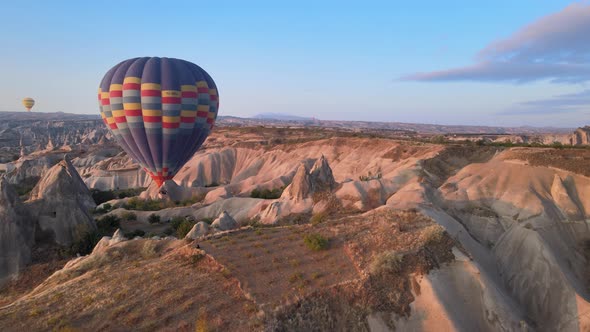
28, 103
160, 110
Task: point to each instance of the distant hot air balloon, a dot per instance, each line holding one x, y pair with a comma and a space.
28, 103
160, 111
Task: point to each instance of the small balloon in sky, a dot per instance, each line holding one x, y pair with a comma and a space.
160, 111
28, 103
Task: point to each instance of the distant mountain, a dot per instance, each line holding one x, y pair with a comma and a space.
55, 116
283, 117
266, 119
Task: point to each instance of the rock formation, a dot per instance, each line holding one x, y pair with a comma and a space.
61, 202
199, 229
300, 188
306, 182
581, 136
224, 222
321, 176
16, 232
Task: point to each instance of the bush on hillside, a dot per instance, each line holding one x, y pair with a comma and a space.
267, 193
316, 242
153, 218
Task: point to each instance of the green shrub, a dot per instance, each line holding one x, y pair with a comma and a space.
318, 218
316, 242
153, 218
108, 224
183, 229
190, 201
137, 232
208, 220
85, 244
370, 176
176, 221
128, 192
136, 203
433, 234
87, 240
128, 216
387, 261
267, 193
557, 145
100, 196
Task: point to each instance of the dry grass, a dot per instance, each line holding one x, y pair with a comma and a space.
175, 288
168, 284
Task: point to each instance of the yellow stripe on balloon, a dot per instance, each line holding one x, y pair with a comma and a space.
188, 88
202, 84
132, 106
132, 79
118, 113
171, 119
188, 113
151, 86
152, 112
170, 93
116, 87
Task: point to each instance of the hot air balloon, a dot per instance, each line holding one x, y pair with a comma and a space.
160, 111
28, 103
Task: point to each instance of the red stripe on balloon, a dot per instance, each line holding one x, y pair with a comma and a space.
113, 125
170, 100
151, 93
170, 124
131, 86
106, 101
202, 114
149, 118
132, 112
120, 119
116, 93
187, 119
189, 94
203, 90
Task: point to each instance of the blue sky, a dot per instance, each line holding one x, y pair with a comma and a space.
445, 62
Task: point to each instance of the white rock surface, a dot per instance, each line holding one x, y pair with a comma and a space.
61, 203
199, 229
224, 222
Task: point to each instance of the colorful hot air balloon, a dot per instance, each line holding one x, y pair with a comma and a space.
28, 103
160, 110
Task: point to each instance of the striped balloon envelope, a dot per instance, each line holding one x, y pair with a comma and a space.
160, 111
28, 103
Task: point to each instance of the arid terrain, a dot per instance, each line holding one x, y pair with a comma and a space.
288, 226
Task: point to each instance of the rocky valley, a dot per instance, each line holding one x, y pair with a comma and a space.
293, 226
